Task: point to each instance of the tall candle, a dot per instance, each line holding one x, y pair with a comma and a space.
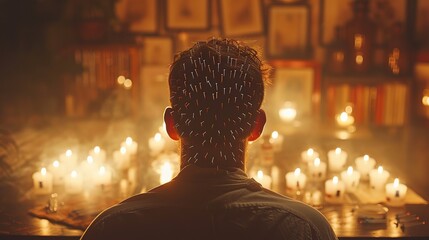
395, 193
88, 167
337, 159
57, 170
378, 178
122, 158
296, 180
130, 145
156, 144
263, 179
42, 182
317, 169
104, 176
350, 178
334, 188
309, 155
98, 154
277, 141
364, 165
166, 173
74, 183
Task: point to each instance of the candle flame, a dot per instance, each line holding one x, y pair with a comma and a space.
73, 174
121, 80
69, 153
425, 100
344, 117
316, 162
102, 170
380, 169
337, 151
335, 180
128, 83
129, 141
123, 150
297, 172
158, 137
260, 174
97, 149
56, 164
396, 183
43, 171
350, 170
310, 152
366, 158
89, 159
274, 135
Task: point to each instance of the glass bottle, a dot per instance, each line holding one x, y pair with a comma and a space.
398, 52
335, 59
360, 35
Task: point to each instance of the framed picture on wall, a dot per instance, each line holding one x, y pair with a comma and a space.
190, 15
241, 17
156, 50
288, 31
295, 83
138, 16
154, 93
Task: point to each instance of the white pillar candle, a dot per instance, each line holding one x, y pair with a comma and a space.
88, 168
296, 180
263, 179
337, 159
364, 165
334, 188
395, 193
166, 173
98, 154
309, 155
378, 178
317, 169
122, 158
130, 145
156, 144
344, 119
42, 182
350, 178
103, 177
68, 159
57, 170
74, 183
277, 141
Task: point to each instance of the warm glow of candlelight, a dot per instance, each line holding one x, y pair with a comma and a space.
128, 140
350, 170
102, 170
97, 149
56, 164
310, 152
260, 174
396, 183
335, 180
338, 151
69, 153
123, 150
366, 158
128, 83
43, 171
275, 135
425, 100
344, 116
380, 169
121, 80
89, 159
297, 172
158, 137
316, 162
73, 174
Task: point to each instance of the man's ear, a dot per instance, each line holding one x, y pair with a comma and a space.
258, 127
169, 124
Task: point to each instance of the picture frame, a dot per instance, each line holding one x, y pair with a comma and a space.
139, 16
289, 31
335, 13
297, 82
189, 15
185, 40
241, 18
156, 50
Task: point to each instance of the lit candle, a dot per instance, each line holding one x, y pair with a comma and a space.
395, 193
334, 188
42, 182
378, 178
88, 167
122, 158
130, 145
166, 173
288, 112
317, 169
74, 183
98, 154
156, 144
350, 178
337, 159
263, 179
277, 141
309, 155
68, 158
57, 170
296, 180
344, 119
104, 176
364, 165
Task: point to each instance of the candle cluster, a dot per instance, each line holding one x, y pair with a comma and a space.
74, 174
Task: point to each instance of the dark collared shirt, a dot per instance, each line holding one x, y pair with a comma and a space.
205, 203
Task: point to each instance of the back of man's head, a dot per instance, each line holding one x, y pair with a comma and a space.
216, 91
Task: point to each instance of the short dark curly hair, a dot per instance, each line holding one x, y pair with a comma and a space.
216, 91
